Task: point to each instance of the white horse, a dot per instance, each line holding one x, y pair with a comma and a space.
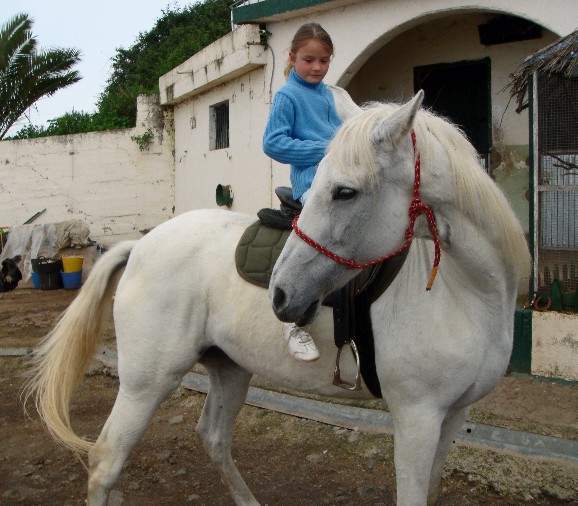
436, 351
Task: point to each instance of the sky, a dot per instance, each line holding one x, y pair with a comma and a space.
98, 29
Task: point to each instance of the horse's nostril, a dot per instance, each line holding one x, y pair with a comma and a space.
278, 298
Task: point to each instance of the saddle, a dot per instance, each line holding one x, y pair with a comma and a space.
283, 217
255, 257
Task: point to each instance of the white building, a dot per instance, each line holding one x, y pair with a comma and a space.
461, 54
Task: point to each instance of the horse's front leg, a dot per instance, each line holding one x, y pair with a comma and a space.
228, 388
453, 422
416, 436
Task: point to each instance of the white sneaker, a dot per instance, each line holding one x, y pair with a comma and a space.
300, 343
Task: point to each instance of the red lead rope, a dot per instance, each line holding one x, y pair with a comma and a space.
415, 209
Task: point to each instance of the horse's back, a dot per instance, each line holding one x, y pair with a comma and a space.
191, 232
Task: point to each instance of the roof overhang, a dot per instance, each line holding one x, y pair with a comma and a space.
277, 10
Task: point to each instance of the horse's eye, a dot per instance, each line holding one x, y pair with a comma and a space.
344, 193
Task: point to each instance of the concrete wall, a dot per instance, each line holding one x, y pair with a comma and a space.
555, 345
246, 169
101, 178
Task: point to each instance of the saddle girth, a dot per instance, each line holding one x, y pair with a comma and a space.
351, 318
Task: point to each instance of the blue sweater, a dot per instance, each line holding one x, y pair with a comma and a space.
302, 121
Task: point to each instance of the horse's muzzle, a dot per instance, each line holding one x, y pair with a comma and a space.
286, 313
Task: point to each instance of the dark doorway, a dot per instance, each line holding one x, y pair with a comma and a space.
461, 92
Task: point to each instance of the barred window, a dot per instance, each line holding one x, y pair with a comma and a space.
219, 126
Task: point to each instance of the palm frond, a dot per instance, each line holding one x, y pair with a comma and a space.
28, 74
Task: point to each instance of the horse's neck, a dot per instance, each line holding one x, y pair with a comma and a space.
470, 258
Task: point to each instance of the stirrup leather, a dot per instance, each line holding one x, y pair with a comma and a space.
337, 381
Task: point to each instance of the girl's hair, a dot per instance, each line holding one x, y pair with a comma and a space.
303, 36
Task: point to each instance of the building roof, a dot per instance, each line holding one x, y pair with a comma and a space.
560, 57
263, 11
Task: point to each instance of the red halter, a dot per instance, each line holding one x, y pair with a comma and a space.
416, 208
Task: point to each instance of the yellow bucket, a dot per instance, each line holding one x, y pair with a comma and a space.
72, 264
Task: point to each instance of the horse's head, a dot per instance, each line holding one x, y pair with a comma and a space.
357, 209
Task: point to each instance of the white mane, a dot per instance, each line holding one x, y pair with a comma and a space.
477, 196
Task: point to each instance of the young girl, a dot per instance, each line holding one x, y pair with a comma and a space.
302, 121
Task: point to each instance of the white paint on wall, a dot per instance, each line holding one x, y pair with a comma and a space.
388, 74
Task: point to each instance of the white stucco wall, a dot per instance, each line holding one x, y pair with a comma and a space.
388, 74
555, 345
99, 178
246, 169
231, 69
360, 29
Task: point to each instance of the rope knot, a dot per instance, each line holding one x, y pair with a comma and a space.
416, 207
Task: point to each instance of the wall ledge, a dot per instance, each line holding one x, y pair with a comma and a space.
232, 56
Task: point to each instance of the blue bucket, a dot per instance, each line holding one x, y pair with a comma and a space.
49, 280
71, 280
35, 280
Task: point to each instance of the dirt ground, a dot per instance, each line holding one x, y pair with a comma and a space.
285, 460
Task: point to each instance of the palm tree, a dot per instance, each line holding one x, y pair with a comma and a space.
28, 74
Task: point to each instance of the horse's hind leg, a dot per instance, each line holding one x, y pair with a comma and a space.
137, 400
229, 384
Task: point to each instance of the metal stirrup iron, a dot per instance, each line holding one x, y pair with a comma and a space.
337, 381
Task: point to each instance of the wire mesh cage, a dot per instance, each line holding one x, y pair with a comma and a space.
556, 249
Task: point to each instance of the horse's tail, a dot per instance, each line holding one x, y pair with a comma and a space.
59, 363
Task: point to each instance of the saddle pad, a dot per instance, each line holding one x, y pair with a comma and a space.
257, 252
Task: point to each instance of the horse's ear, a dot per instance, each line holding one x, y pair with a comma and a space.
398, 124
346, 107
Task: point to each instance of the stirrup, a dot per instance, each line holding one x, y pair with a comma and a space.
337, 381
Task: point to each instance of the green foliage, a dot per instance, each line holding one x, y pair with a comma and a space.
264, 38
27, 73
72, 123
143, 141
177, 35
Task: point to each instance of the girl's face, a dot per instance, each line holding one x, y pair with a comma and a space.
311, 61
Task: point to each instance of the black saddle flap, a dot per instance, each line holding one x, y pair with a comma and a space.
274, 218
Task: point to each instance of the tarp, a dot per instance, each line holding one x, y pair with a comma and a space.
33, 241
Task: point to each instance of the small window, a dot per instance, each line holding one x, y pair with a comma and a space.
219, 125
